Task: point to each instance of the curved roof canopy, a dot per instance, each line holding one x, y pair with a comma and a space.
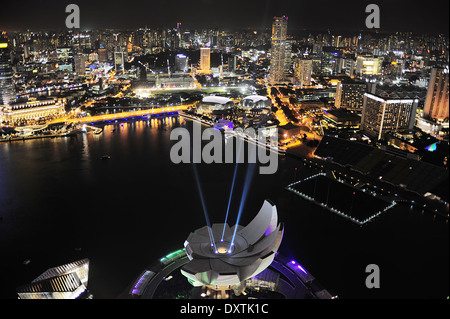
256, 98
241, 253
216, 99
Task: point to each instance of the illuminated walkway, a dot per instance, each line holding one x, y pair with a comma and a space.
295, 282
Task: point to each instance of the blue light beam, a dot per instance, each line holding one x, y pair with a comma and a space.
248, 179
205, 212
231, 192
229, 202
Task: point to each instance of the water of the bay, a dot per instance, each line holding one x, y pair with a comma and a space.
61, 202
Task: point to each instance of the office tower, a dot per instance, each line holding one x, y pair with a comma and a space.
436, 103
7, 92
102, 55
368, 65
327, 63
288, 57
382, 114
80, 64
179, 30
181, 63
278, 50
120, 57
232, 63
205, 55
303, 69
350, 94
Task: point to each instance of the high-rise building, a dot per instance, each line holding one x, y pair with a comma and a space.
80, 60
181, 63
328, 63
278, 50
7, 92
205, 58
102, 55
382, 114
120, 57
349, 65
350, 94
436, 103
232, 63
288, 57
303, 69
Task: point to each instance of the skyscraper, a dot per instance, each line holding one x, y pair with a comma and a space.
278, 51
80, 60
436, 103
181, 63
288, 57
232, 63
7, 94
205, 55
120, 57
102, 55
350, 94
382, 114
303, 71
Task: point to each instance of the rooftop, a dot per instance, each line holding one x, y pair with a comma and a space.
256, 98
216, 99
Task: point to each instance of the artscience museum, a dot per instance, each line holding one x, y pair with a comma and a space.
235, 253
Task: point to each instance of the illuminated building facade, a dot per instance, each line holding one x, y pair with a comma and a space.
350, 95
181, 63
205, 58
80, 60
31, 110
7, 93
65, 59
120, 57
179, 80
384, 114
278, 51
68, 281
342, 119
436, 103
102, 55
368, 65
303, 69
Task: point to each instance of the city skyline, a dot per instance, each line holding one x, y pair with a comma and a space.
347, 16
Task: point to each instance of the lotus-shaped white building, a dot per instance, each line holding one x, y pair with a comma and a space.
235, 254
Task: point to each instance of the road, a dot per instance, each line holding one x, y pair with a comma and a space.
115, 116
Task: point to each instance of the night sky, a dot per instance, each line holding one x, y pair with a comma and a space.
423, 16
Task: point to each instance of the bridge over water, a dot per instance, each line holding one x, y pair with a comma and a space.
121, 115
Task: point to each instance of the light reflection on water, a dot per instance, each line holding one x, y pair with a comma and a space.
58, 194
